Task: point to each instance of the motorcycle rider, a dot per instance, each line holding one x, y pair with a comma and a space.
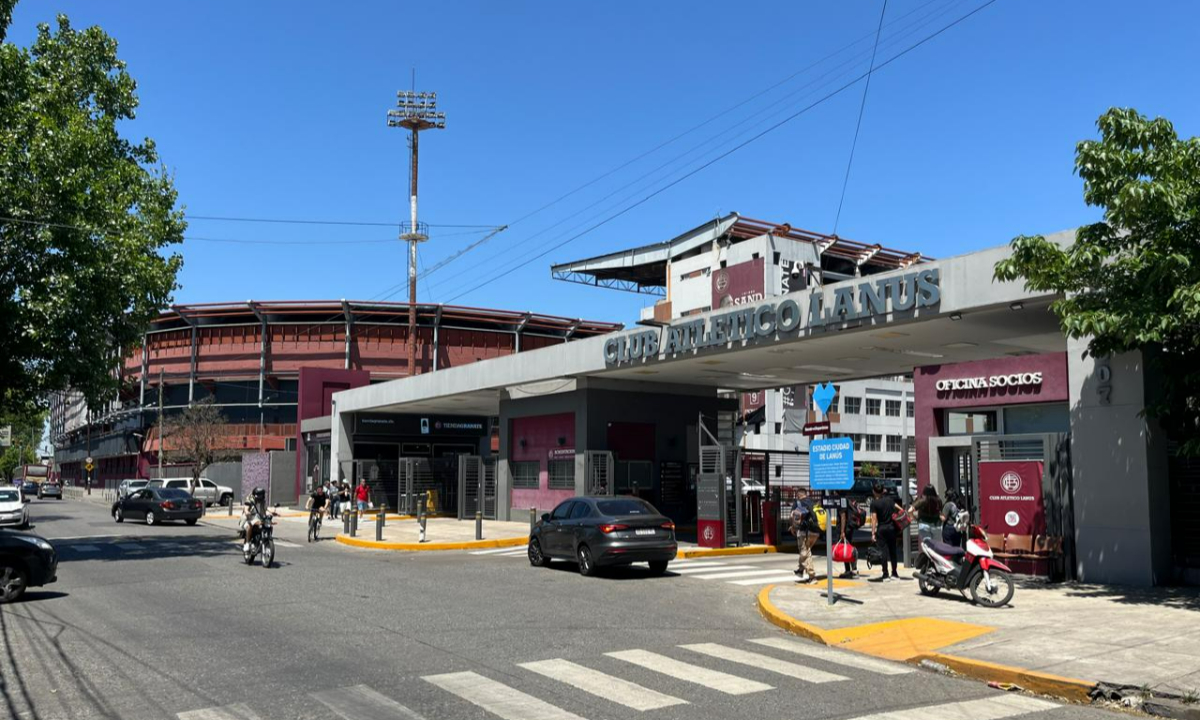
253, 511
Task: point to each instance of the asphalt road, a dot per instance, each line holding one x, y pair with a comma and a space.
167, 622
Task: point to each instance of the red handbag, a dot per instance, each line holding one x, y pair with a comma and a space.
844, 552
901, 518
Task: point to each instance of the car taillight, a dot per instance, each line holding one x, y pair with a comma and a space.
668, 526
606, 529
168, 505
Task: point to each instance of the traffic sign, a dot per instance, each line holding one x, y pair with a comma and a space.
831, 464
813, 429
89, 467
5, 435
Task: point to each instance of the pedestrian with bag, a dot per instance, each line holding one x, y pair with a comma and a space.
362, 495
806, 528
853, 518
886, 528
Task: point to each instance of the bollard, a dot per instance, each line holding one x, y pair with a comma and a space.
478, 525
421, 500
346, 522
379, 526
532, 519
230, 506
353, 523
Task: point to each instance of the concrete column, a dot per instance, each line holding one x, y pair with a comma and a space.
340, 447
192, 372
1118, 462
503, 476
582, 441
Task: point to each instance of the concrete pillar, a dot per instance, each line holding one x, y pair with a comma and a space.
340, 448
503, 476
1118, 462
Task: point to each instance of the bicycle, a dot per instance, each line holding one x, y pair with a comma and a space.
314, 526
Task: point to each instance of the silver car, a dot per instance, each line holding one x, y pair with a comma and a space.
129, 486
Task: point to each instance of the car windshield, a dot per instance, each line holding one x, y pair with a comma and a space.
624, 506
173, 494
9, 496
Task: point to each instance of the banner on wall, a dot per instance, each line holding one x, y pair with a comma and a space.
1010, 497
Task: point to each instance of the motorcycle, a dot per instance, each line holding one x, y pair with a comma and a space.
975, 569
262, 541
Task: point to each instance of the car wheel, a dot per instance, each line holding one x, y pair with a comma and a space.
118, 515
226, 500
587, 564
536, 557
190, 521
12, 583
658, 567
150, 519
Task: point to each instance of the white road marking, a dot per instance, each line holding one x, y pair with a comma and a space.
835, 656
713, 679
237, 711
764, 662
83, 537
497, 698
991, 708
493, 551
608, 687
362, 703
85, 548
286, 543
724, 574
765, 580
764, 558
708, 569
516, 553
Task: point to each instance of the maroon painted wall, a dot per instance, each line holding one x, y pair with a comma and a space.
316, 389
541, 434
932, 403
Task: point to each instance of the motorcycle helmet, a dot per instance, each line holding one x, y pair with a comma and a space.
260, 495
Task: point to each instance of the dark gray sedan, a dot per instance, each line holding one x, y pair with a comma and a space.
598, 532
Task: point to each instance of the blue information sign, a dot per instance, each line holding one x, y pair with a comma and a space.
831, 464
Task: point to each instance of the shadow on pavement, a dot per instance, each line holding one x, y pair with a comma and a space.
141, 547
619, 572
1182, 598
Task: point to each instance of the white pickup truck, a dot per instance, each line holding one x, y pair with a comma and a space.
207, 491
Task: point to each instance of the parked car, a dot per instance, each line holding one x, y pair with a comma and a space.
207, 490
128, 486
157, 504
14, 509
49, 488
30, 488
25, 561
597, 532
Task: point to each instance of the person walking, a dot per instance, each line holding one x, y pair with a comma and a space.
928, 512
883, 531
806, 529
362, 495
853, 518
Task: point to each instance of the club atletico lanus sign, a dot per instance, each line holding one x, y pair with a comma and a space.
780, 319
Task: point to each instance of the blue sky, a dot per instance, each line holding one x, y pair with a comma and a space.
277, 110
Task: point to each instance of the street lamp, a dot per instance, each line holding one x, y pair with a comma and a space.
414, 111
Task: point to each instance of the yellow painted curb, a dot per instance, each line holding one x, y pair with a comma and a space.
465, 545
717, 552
1031, 680
775, 616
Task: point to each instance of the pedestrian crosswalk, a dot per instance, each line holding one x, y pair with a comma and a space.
743, 570
634, 680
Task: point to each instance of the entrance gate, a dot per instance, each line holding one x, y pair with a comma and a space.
718, 493
599, 473
476, 481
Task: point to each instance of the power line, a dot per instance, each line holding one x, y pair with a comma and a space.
772, 128
858, 125
291, 221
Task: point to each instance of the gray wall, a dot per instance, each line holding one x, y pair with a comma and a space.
283, 477
1121, 491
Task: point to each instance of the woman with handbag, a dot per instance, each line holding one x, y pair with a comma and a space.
884, 531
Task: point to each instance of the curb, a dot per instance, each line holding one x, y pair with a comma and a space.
465, 545
1067, 688
718, 552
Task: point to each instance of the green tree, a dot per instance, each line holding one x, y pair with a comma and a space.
27, 424
870, 470
86, 216
1132, 281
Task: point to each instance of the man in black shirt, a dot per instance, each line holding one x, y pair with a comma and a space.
883, 530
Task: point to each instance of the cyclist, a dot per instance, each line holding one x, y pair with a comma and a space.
315, 505
253, 510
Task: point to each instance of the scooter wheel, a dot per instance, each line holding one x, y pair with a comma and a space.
1002, 592
927, 588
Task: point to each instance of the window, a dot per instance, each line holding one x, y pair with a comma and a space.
969, 422
624, 506
562, 511
874, 442
208, 484
893, 443
562, 474
856, 440
581, 510
892, 408
873, 406
833, 404
911, 409
853, 405
525, 474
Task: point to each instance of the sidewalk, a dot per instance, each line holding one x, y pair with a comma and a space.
1056, 639
440, 534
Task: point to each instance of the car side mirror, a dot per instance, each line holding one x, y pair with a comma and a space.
545, 517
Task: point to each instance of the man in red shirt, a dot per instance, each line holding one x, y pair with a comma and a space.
361, 494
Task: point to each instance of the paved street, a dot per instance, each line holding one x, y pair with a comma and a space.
166, 622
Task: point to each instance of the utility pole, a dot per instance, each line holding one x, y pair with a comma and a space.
160, 422
415, 111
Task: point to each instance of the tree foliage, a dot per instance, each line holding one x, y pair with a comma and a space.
27, 425
1132, 281
196, 436
86, 216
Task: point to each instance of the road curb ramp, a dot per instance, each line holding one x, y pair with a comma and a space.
853, 638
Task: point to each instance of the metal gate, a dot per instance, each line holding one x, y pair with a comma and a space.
718, 491
599, 473
476, 479
422, 475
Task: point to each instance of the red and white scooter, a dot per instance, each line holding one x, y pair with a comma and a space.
975, 569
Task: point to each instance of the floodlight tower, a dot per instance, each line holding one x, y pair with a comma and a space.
415, 111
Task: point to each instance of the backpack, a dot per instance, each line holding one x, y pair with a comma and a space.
818, 519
